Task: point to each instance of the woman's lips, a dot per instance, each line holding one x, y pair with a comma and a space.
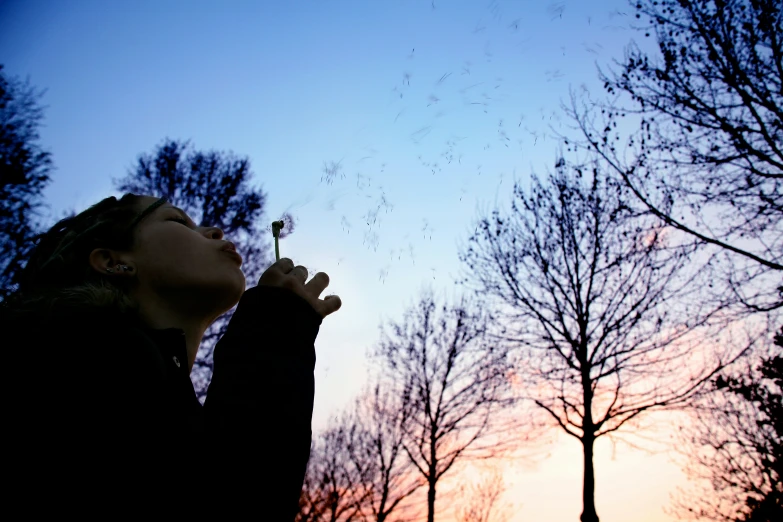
233, 254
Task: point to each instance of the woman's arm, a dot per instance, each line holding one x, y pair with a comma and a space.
259, 404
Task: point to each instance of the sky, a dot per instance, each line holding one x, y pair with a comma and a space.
425, 112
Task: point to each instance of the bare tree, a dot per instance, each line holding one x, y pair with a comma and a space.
707, 157
453, 384
24, 173
597, 305
310, 503
387, 477
484, 501
734, 446
358, 468
213, 188
331, 491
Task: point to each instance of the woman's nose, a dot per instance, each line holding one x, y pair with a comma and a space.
214, 233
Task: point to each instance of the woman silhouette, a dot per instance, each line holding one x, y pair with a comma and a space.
101, 335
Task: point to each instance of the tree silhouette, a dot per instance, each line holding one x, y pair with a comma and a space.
213, 188
707, 157
735, 444
375, 445
331, 491
591, 292
452, 382
483, 501
24, 173
358, 468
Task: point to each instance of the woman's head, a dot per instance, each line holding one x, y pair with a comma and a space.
173, 264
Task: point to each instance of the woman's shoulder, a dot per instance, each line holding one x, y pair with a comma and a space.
57, 310
58, 320
68, 334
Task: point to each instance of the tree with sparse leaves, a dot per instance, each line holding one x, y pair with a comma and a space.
600, 309
483, 501
453, 383
735, 446
359, 469
387, 479
707, 155
331, 491
24, 173
214, 188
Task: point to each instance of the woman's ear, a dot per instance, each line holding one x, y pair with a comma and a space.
102, 260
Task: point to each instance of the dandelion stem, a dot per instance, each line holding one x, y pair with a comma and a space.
276, 226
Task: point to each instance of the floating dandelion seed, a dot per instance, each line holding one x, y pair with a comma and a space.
346, 224
555, 10
443, 78
331, 170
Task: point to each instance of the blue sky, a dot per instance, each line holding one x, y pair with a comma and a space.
386, 89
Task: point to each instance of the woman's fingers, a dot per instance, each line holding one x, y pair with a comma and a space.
317, 284
330, 304
285, 274
285, 265
300, 273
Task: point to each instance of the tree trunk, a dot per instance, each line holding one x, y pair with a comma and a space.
588, 491
431, 503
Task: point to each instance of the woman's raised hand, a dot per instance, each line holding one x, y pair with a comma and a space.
285, 274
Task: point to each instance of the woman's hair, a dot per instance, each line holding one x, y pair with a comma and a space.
58, 272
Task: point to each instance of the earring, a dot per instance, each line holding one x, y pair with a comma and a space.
125, 268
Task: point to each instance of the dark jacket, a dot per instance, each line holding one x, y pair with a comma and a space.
100, 411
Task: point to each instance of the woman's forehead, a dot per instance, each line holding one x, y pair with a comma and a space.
160, 204
148, 206
146, 202
151, 204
